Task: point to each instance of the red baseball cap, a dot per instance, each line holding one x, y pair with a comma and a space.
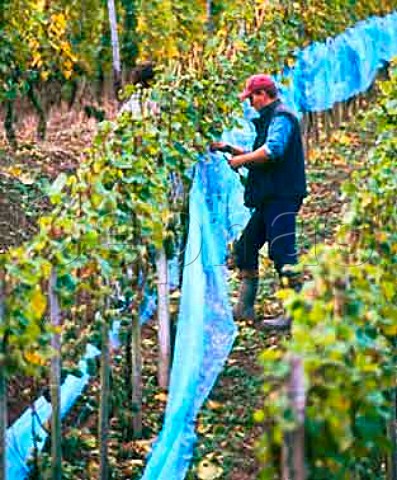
255, 83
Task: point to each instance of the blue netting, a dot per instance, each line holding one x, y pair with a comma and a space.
206, 330
20, 436
325, 73
342, 67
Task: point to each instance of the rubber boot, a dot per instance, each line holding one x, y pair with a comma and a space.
247, 295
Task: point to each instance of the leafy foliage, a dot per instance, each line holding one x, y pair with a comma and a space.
111, 214
345, 328
60, 39
34, 46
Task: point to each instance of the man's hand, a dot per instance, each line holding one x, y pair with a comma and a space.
259, 156
236, 162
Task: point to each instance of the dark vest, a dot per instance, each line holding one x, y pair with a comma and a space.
280, 178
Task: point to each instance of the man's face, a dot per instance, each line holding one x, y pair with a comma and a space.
259, 100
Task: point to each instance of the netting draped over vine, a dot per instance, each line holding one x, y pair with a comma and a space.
341, 67
206, 330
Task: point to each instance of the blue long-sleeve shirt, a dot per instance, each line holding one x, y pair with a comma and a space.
278, 136
282, 174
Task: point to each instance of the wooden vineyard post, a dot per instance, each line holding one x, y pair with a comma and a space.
208, 9
293, 450
137, 275
55, 387
356, 106
103, 426
136, 364
327, 128
115, 47
315, 127
345, 111
362, 101
338, 115
3, 385
348, 109
163, 315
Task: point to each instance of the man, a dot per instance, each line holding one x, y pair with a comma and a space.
137, 105
274, 189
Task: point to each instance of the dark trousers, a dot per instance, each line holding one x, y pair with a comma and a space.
274, 222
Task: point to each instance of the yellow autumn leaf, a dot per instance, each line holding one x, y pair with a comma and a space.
40, 245
143, 445
207, 470
33, 44
18, 253
214, 405
38, 302
290, 62
240, 45
390, 330
45, 267
34, 358
22, 176
44, 74
259, 416
40, 5
37, 60
14, 171
203, 429
161, 397
60, 21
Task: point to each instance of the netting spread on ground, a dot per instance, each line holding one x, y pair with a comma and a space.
206, 330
